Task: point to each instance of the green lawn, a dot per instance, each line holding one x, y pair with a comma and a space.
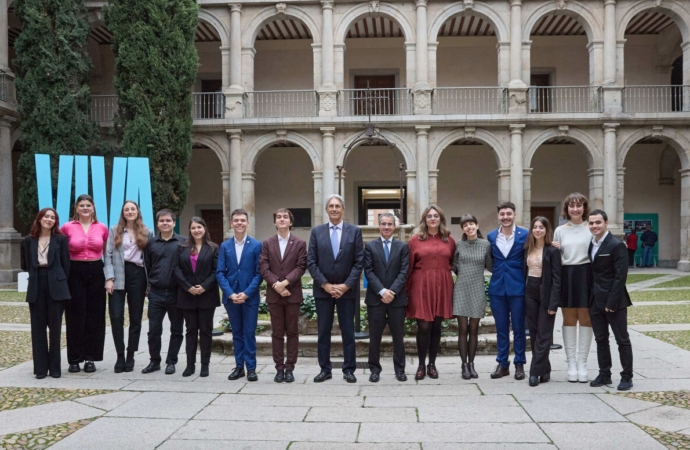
660, 296
637, 277
644, 315
678, 338
680, 282
6, 296
15, 314
16, 349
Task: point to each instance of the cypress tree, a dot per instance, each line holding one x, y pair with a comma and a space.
52, 67
156, 64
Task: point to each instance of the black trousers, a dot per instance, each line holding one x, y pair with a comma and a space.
199, 324
631, 257
540, 324
162, 302
135, 292
85, 312
46, 312
618, 321
378, 317
325, 307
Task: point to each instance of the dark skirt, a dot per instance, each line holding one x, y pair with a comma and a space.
576, 284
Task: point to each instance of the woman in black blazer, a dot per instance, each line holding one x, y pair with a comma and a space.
46, 258
542, 293
197, 295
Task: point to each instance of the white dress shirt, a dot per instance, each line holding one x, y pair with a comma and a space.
339, 230
239, 246
505, 244
283, 244
390, 243
596, 245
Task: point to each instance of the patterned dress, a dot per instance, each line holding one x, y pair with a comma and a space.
471, 257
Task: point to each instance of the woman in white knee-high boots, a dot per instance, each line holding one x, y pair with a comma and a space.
573, 239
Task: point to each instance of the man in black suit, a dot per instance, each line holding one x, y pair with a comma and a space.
609, 300
386, 265
335, 263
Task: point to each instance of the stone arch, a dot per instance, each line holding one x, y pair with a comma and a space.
483, 136
673, 137
594, 155
592, 26
16, 135
673, 9
479, 9
667, 165
211, 19
265, 15
400, 145
208, 141
266, 141
386, 9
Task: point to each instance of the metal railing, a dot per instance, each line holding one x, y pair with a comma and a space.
565, 99
281, 104
103, 108
470, 100
384, 102
656, 99
208, 105
4, 88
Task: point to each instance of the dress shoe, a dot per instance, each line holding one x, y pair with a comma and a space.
350, 377
89, 366
545, 378
421, 373
374, 377
466, 375
500, 372
520, 372
473, 373
601, 380
280, 376
129, 362
533, 380
289, 377
237, 373
252, 376
170, 369
55, 375
120, 364
204, 370
152, 367
74, 368
40, 376
400, 376
323, 376
431, 371
189, 370
626, 384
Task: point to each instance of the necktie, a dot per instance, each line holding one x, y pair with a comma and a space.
334, 241
385, 249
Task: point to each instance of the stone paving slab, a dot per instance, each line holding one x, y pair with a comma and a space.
664, 289
361, 415
176, 386
108, 402
658, 374
109, 374
648, 283
471, 402
286, 400
499, 387
625, 405
357, 446
115, 433
665, 418
442, 446
163, 405
441, 432
269, 431
27, 380
253, 413
599, 436
179, 444
46, 415
661, 303
218, 377
406, 390
567, 408
661, 327
471, 413
322, 389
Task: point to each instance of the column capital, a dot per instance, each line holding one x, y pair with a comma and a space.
503, 172
234, 133
248, 51
420, 3
433, 173
225, 49
684, 173
235, 7
327, 131
422, 130
595, 172
317, 174
338, 47
225, 176
527, 171
249, 176
685, 45
327, 4
516, 128
609, 3
413, 173
621, 171
610, 127
516, 3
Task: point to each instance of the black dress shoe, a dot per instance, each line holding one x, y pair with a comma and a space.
500, 372
74, 368
374, 377
40, 376
323, 376
152, 367
55, 375
601, 380
252, 376
204, 370
89, 366
473, 373
289, 377
400, 376
520, 372
626, 384
545, 378
170, 369
120, 364
466, 375
533, 380
237, 373
350, 377
129, 363
189, 370
280, 376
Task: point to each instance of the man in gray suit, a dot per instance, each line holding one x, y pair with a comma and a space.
386, 265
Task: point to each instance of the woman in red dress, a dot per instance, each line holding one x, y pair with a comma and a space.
430, 285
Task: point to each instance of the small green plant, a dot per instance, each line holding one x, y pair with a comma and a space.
308, 306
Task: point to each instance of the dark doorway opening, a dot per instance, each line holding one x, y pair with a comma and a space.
540, 99
214, 221
374, 200
546, 211
385, 101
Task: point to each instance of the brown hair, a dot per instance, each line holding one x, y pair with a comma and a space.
284, 210
82, 198
505, 205
36, 227
239, 212
531, 243
467, 218
139, 228
206, 239
443, 230
575, 197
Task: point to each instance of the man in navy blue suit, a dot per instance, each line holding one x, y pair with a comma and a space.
239, 278
507, 291
335, 262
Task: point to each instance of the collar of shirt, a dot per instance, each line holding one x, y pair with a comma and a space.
280, 239
240, 242
594, 240
174, 237
337, 225
512, 233
383, 239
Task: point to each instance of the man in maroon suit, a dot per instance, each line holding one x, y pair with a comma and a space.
282, 263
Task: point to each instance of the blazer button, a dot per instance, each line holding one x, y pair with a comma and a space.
238, 271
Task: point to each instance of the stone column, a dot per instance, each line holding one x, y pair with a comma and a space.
516, 171
686, 75
596, 188
411, 196
410, 65
342, 190
316, 49
433, 187
432, 51
610, 42
227, 231
318, 198
684, 263
503, 54
248, 202
225, 67
516, 43
503, 176
327, 91
235, 169
4, 38
422, 88
422, 167
10, 240
234, 94
339, 56
248, 68
328, 155
527, 196
620, 207
596, 61
610, 174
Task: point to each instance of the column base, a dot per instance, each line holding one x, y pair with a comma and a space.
10, 255
613, 99
234, 104
422, 98
328, 101
517, 99
683, 266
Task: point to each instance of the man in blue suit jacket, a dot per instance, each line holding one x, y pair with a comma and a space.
335, 261
507, 291
239, 278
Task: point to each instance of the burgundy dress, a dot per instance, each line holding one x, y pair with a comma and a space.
430, 283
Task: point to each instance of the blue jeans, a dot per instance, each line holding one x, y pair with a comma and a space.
647, 254
507, 310
243, 319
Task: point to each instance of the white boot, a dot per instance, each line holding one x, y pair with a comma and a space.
585, 342
570, 346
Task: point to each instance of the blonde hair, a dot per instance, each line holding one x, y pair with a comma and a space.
139, 228
443, 230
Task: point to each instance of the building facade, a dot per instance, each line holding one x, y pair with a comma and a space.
518, 100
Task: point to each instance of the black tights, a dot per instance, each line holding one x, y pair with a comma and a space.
462, 337
428, 339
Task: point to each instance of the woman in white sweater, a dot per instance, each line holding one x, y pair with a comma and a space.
573, 239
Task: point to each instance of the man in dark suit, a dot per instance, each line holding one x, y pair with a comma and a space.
609, 300
335, 263
386, 266
282, 263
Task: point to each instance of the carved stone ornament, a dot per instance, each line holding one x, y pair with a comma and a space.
656, 130
237, 104
561, 4
469, 132
374, 7
280, 8
469, 4
422, 100
517, 100
282, 135
328, 101
563, 131
657, 3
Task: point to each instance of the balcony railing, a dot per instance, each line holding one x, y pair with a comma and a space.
565, 99
380, 102
656, 99
281, 104
208, 105
103, 108
470, 100
4, 88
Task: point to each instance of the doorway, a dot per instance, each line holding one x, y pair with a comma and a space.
540, 99
384, 99
214, 222
373, 201
546, 211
